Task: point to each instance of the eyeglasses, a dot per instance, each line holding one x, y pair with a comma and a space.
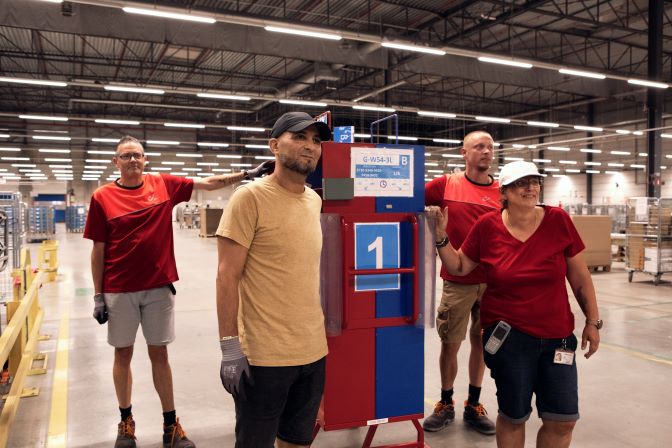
526, 182
128, 155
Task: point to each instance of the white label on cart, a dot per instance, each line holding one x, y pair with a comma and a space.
377, 421
641, 210
382, 171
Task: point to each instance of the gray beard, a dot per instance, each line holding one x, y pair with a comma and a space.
296, 166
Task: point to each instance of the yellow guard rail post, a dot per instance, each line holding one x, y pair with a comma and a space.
19, 339
47, 258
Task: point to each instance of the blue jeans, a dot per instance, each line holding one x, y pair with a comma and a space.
524, 365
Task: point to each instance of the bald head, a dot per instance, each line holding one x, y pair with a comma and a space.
474, 136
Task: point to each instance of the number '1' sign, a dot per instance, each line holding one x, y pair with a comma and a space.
377, 247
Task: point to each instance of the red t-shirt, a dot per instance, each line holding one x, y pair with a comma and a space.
136, 226
526, 281
466, 202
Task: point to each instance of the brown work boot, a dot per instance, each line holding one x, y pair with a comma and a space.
175, 437
126, 433
444, 415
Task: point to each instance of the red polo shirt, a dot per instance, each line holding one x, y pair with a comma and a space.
136, 226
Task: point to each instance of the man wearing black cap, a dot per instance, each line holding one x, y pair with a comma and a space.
271, 325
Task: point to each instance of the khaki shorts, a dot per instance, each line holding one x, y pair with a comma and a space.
152, 308
458, 302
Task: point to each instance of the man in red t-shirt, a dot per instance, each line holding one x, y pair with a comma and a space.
133, 268
467, 195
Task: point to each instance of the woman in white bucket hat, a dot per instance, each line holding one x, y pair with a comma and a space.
527, 251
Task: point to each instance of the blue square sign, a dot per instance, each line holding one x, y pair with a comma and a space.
377, 247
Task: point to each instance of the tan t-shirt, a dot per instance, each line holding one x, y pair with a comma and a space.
280, 320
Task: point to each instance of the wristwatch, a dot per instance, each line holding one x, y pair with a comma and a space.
597, 322
442, 243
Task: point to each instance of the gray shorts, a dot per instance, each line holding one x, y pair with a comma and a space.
154, 309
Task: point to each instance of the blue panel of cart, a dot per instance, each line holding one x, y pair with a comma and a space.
399, 302
399, 371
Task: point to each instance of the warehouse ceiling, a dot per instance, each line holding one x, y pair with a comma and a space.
231, 69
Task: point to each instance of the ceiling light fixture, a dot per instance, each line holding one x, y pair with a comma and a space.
493, 119
43, 117
541, 160
622, 131
229, 156
402, 137
572, 170
184, 125
558, 148
57, 151
593, 163
543, 124
251, 146
300, 32
518, 146
221, 96
304, 103
615, 164
567, 71
162, 142
245, 128
105, 140
374, 108
241, 164
213, 144
135, 90
638, 132
10, 149
666, 135
51, 137
427, 113
592, 171
362, 135
112, 121
620, 153
509, 62
157, 154
95, 151
36, 82
579, 127
446, 140
634, 165
15, 158
172, 163
592, 151
642, 82
183, 154
57, 160
168, 15
96, 161
411, 47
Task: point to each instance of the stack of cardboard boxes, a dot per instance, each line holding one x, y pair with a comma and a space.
649, 243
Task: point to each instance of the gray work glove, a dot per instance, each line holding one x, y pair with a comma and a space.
263, 168
99, 308
234, 365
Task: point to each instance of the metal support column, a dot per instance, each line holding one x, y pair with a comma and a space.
654, 99
589, 156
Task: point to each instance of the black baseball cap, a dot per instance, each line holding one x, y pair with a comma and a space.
298, 121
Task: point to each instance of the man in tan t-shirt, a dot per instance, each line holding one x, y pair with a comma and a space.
271, 325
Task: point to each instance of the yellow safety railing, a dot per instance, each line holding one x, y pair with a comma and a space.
19, 339
47, 258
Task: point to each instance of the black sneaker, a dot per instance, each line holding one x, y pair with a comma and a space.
444, 415
175, 437
477, 417
126, 433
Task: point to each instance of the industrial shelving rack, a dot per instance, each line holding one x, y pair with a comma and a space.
41, 224
75, 218
11, 237
649, 237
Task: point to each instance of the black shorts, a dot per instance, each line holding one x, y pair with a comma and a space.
279, 402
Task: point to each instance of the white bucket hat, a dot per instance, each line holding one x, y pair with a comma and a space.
513, 171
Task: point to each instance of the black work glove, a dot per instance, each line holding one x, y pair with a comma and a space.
234, 365
99, 308
266, 167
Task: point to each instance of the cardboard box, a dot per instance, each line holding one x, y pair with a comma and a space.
210, 220
595, 231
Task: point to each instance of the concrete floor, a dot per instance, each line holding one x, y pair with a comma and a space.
624, 389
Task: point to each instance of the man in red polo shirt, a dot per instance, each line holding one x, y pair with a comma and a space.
133, 268
467, 195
